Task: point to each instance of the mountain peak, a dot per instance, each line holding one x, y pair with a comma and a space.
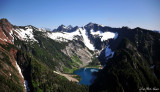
6, 31
5, 22
4, 19
69, 27
63, 28
90, 24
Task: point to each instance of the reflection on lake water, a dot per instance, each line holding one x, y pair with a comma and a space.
87, 75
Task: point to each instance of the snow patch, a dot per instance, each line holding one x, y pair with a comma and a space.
26, 86
63, 36
19, 69
1, 39
4, 38
86, 39
20, 72
42, 29
101, 25
107, 35
108, 53
11, 34
94, 70
116, 35
26, 35
104, 35
96, 32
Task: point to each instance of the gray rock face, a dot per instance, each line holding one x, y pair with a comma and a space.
83, 53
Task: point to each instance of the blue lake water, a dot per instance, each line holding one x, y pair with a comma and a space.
87, 75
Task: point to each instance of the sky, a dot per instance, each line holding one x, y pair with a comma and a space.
52, 13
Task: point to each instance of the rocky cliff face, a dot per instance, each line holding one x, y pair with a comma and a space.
83, 53
10, 77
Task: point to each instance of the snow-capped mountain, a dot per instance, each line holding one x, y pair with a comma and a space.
89, 35
25, 33
29, 55
63, 28
93, 36
86, 34
83, 34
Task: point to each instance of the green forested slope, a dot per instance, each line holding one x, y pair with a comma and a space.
131, 68
39, 60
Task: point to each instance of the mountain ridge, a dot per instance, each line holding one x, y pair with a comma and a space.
123, 52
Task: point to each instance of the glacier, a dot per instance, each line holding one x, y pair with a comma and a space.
82, 32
